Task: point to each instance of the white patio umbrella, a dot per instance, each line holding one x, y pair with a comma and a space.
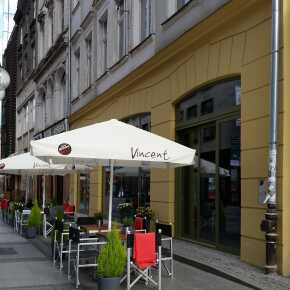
112, 143
27, 164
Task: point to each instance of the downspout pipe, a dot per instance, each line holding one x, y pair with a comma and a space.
269, 224
68, 99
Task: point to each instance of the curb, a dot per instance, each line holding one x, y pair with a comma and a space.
213, 271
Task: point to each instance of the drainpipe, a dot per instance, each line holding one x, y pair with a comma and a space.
68, 109
269, 224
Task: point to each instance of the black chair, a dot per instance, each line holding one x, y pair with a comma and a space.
81, 221
60, 245
82, 251
167, 246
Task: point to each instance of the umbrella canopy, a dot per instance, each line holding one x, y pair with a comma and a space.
113, 140
27, 164
112, 143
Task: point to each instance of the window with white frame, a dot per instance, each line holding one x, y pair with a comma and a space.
145, 18
121, 28
175, 5
33, 111
103, 22
34, 9
51, 28
21, 35
89, 68
74, 3
77, 73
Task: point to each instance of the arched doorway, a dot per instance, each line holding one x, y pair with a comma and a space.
208, 195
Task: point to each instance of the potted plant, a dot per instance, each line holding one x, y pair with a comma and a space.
126, 210
34, 221
111, 262
147, 213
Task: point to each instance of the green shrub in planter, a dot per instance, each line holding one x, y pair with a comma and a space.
111, 262
34, 220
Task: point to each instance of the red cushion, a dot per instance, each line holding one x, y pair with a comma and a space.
138, 223
144, 254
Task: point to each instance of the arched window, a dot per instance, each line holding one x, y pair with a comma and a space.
213, 100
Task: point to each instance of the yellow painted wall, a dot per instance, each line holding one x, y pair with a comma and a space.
234, 41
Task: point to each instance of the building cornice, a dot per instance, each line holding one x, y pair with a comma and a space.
87, 20
51, 55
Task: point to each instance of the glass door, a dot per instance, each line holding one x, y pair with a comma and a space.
208, 200
207, 183
187, 201
229, 184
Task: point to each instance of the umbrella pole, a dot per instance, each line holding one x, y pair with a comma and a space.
111, 194
43, 206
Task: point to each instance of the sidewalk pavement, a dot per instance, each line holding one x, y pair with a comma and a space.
227, 266
26, 265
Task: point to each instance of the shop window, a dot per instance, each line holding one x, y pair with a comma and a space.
84, 193
207, 107
208, 134
131, 184
192, 112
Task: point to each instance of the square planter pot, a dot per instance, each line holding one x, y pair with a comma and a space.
31, 232
109, 283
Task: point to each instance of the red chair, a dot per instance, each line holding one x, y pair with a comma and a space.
144, 257
138, 223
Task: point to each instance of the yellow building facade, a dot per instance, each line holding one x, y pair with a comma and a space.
232, 43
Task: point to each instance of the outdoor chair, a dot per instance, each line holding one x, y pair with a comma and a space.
17, 218
24, 219
139, 224
82, 252
48, 222
60, 243
167, 246
81, 221
143, 255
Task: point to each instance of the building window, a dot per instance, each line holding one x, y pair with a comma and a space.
33, 57
121, 29
84, 193
89, 67
62, 14
34, 9
174, 5
104, 41
33, 111
21, 72
145, 18
219, 98
75, 3
50, 17
131, 185
77, 73
21, 35
207, 107
181, 3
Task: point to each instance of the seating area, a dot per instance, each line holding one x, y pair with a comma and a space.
77, 242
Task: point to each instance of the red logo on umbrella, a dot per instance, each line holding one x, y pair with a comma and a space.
2, 165
64, 149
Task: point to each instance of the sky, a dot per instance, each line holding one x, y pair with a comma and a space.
7, 10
